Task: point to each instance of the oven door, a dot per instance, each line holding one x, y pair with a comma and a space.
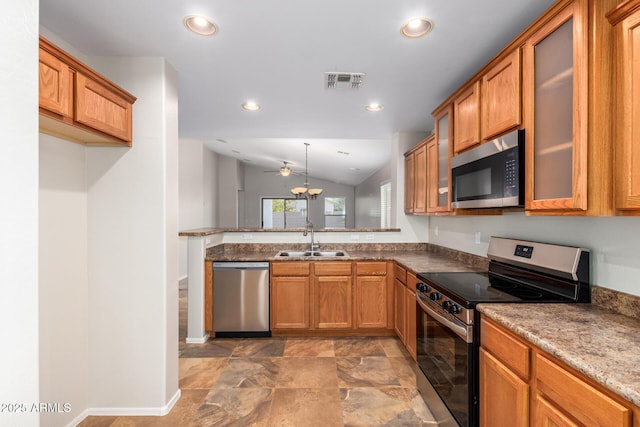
445, 357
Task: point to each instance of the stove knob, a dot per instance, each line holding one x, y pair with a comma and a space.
454, 308
435, 296
446, 305
423, 287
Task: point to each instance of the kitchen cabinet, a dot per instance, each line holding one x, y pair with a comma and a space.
439, 152
501, 96
626, 21
410, 341
466, 117
504, 378
78, 104
308, 298
522, 385
332, 295
568, 167
400, 313
416, 179
371, 295
290, 292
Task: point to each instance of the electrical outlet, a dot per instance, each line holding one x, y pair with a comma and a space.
478, 240
207, 240
370, 237
247, 236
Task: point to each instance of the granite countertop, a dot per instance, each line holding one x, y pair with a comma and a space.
418, 261
603, 345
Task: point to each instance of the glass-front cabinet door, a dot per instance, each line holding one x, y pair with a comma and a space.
439, 153
555, 99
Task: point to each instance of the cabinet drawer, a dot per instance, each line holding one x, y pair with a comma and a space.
508, 349
593, 407
290, 268
371, 268
411, 282
332, 268
400, 273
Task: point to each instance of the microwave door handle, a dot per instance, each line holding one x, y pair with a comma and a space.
459, 330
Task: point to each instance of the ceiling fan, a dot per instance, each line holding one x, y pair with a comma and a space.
285, 170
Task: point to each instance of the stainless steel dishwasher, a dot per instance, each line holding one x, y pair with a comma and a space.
241, 299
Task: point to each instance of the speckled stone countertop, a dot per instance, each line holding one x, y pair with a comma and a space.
417, 257
603, 345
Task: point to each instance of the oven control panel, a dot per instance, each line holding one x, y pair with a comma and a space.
430, 295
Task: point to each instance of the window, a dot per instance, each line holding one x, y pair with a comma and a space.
284, 213
385, 205
335, 214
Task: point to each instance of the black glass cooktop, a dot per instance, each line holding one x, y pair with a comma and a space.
472, 288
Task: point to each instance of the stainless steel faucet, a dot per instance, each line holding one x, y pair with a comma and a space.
309, 227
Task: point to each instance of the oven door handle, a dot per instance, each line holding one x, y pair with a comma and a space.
463, 332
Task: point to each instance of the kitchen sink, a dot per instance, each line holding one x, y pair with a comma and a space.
293, 254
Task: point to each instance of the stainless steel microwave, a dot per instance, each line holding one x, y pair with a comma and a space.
490, 175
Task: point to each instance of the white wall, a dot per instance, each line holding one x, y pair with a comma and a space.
133, 256
367, 198
63, 272
19, 333
259, 184
197, 192
228, 186
613, 242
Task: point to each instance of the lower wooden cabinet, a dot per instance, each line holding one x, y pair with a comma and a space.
290, 292
400, 314
290, 303
503, 395
521, 385
330, 296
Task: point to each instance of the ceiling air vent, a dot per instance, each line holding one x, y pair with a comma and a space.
343, 80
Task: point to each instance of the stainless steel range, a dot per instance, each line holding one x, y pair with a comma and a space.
448, 325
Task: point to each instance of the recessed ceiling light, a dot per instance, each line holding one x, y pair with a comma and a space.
374, 106
251, 106
416, 27
200, 25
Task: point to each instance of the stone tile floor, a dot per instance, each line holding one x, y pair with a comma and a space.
290, 382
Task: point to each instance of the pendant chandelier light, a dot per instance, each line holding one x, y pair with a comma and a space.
305, 191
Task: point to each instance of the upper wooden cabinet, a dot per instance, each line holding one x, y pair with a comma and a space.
567, 98
490, 105
80, 105
439, 152
626, 21
501, 96
416, 179
466, 114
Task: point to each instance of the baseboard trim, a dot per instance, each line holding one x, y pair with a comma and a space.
129, 412
201, 340
77, 420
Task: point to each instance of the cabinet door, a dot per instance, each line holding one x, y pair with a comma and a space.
555, 67
547, 415
410, 331
466, 118
501, 96
332, 296
439, 164
55, 85
408, 184
504, 397
290, 303
420, 179
627, 153
99, 108
399, 309
371, 302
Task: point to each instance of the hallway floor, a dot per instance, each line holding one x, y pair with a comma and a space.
290, 382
